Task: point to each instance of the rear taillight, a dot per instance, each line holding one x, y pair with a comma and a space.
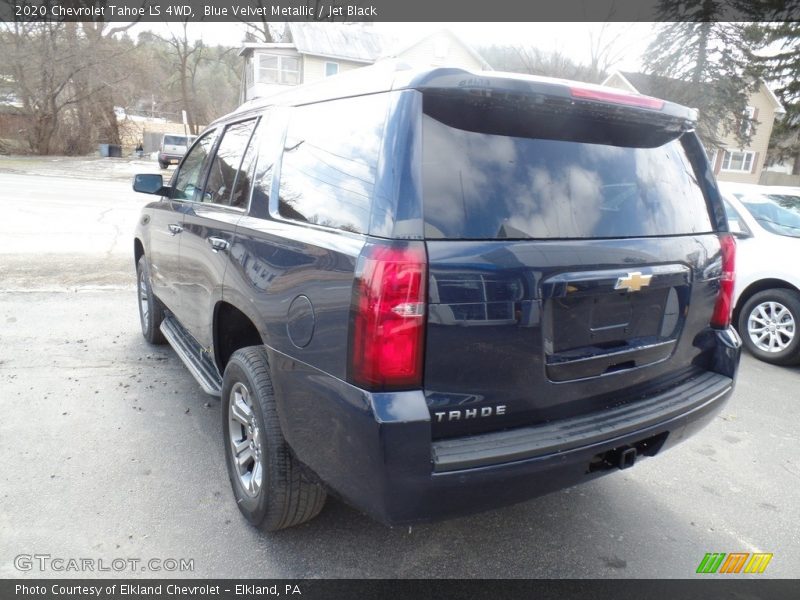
388, 317
722, 309
616, 98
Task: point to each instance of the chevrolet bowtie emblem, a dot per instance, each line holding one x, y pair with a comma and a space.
633, 282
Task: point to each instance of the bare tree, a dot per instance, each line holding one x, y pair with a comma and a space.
42, 64
70, 77
527, 59
64, 75
96, 113
186, 57
216, 83
606, 48
263, 31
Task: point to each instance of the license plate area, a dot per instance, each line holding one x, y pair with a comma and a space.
607, 320
592, 328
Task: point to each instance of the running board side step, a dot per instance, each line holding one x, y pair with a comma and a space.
199, 363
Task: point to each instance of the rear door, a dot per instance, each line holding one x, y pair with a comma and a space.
573, 261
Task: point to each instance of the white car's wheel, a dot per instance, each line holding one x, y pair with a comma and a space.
768, 324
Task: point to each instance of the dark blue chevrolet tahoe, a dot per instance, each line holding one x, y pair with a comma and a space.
438, 292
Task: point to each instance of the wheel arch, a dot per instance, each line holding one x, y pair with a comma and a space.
138, 250
232, 330
756, 287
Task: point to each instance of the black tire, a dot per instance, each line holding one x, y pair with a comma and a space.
163, 165
789, 300
151, 320
285, 496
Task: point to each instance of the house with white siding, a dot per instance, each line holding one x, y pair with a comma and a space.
319, 50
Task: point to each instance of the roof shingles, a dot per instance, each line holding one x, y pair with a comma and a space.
351, 42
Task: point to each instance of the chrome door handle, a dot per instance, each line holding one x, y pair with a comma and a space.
174, 228
218, 244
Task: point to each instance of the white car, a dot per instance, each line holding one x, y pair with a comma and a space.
767, 289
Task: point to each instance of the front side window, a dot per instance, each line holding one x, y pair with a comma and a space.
188, 180
225, 166
276, 68
741, 162
330, 160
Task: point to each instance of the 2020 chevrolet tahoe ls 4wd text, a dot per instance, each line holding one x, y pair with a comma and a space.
439, 292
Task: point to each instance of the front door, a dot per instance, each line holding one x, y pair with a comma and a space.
209, 228
186, 190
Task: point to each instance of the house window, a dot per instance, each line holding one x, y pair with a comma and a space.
741, 162
331, 68
712, 158
248, 76
272, 68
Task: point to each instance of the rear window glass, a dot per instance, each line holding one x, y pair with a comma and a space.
479, 184
175, 140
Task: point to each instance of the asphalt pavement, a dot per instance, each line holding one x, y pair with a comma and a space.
110, 450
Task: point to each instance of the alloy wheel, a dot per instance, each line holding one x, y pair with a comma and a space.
771, 326
144, 306
245, 439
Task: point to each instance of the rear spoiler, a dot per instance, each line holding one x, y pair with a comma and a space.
532, 91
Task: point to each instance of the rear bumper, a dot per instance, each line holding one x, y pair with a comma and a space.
584, 431
376, 450
169, 158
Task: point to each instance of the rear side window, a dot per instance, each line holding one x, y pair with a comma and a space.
481, 184
222, 176
330, 162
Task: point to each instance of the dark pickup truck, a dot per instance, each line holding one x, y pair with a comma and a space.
437, 292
